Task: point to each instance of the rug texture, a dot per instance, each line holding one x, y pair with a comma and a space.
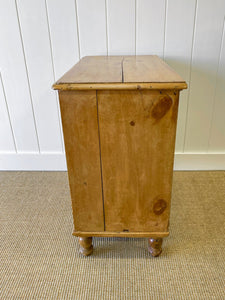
40, 258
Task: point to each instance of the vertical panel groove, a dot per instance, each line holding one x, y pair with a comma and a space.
106, 30
7, 108
91, 13
27, 75
165, 23
50, 41
193, 41
121, 27
150, 27
214, 96
53, 70
78, 35
135, 28
99, 140
143, 36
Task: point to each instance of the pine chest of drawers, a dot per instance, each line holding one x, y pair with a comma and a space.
119, 117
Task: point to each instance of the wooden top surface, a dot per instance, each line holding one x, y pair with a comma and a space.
120, 72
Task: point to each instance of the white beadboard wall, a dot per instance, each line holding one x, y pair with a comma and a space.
41, 40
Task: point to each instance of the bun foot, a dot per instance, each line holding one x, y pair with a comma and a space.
86, 247
155, 246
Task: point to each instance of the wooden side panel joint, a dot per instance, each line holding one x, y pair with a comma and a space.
137, 132
99, 140
80, 127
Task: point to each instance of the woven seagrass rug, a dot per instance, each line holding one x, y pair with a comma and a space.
40, 257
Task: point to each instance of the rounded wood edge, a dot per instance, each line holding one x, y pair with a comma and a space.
120, 86
121, 234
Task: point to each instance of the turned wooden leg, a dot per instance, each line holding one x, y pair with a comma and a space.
155, 246
86, 247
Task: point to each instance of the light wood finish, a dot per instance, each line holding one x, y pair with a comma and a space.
121, 234
118, 72
137, 134
119, 117
121, 86
155, 246
80, 127
96, 69
86, 247
148, 68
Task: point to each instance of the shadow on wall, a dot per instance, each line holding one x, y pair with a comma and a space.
200, 113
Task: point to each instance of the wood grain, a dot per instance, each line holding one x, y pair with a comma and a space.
86, 247
80, 127
148, 68
94, 69
117, 72
121, 234
120, 86
155, 246
137, 133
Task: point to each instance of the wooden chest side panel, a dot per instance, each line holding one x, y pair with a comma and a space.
137, 134
80, 127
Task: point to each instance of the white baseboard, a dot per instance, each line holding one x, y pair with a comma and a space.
199, 161
57, 161
32, 162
